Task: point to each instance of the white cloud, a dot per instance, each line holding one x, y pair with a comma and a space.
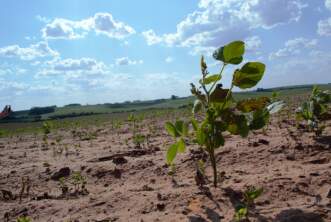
217, 22
151, 37
73, 67
328, 4
253, 43
101, 23
169, 59
294, 47
42, 19
40, 49
324, 27
123, 61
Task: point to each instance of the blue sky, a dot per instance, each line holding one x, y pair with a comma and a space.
65, 51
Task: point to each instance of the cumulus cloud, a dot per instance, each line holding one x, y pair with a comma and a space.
169, 59
73, 67
216, 22
151, 37
100, 23
294, 47
123, 61
328, 4
324, 27
40, 49
253, 43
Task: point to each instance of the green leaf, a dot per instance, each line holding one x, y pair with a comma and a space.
201, 135
210, 79
181, 127
195, 124
181, 146
238, 125
241, 212
171, 153
252, 193
231, 53
219, 95
219, 140
249, 75
171, 129
260, 119
250, 105
196, 106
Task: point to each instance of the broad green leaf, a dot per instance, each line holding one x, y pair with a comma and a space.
171, 153
201, 135
219, 140
181, 127
231, 53
238, 126
241, 213
219, 95
195, 124
171, 129
275, 107
181, 146
260, 119
250, 105
210, 79
196, 106
249, 75
253, 193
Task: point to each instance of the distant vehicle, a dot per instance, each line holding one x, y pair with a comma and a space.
5, 112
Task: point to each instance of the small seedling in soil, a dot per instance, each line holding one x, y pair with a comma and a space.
315, 110
23, 219
78, 181
63, 186
26, 185
220, 112
244, 209
137, 138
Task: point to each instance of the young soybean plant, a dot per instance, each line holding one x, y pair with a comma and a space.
315, 110
221, 112
244, 209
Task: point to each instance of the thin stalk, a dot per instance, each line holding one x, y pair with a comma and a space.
222, 69
213, 163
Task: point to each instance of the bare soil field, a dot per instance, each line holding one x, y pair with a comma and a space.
120, 182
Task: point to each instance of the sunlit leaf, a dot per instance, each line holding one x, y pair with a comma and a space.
171, 129
181, 146
210, 79
231, 53
249, 75
171, 153
250, 105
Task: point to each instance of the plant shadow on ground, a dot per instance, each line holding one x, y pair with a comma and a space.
211, 215
288, 215
296, 215
324, 140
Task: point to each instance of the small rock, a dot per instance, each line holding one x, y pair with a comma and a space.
119, 160
329, 194
290, 156
160, 206
63, 172
314, 174
263, 141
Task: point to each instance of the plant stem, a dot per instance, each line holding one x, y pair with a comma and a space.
213, 163
212, 87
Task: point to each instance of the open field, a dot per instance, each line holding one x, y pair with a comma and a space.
108, 177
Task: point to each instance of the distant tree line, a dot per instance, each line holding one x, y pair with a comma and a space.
41, 110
